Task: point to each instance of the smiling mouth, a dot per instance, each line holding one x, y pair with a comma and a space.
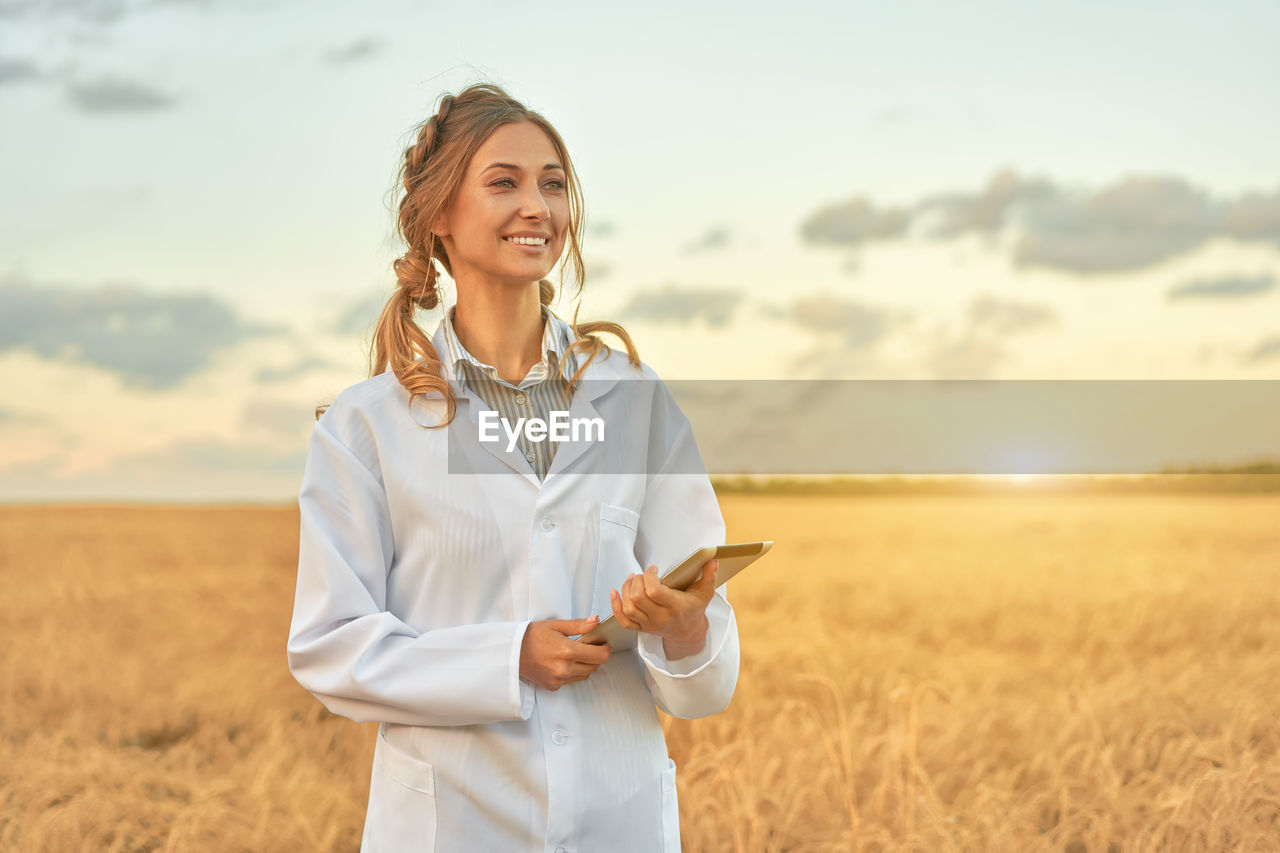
527, 242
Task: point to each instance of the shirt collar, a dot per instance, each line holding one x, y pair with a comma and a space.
556, 339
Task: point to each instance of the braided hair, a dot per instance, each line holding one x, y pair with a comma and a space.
431, 172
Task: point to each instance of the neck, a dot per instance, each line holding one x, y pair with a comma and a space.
501, 327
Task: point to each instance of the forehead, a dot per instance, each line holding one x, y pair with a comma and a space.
521, 143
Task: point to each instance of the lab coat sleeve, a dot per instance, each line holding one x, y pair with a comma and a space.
681, 513
361, 661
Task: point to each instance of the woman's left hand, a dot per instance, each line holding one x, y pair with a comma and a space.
646, 604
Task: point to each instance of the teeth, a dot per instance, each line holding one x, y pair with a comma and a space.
527, 241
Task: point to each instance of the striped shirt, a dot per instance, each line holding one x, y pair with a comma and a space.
544, 389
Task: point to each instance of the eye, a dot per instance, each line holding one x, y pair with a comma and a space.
510, 182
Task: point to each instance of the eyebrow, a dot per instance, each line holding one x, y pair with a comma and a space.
513, 167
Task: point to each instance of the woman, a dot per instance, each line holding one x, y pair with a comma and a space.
443, 576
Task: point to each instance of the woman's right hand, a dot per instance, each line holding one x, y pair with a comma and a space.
549, 659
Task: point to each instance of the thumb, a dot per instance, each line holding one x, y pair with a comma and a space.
707, 583
573, 626
579, 625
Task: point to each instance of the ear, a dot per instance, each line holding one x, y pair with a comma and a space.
439, 227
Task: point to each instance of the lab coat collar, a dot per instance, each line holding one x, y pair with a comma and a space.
555, 343
601, 375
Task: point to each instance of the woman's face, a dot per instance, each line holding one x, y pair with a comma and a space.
514, 186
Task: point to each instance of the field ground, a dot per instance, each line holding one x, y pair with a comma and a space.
1005, 672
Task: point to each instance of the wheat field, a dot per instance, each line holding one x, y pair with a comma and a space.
931, 673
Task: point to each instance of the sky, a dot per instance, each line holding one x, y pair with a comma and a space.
196, 232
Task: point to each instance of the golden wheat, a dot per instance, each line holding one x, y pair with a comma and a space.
1049, 672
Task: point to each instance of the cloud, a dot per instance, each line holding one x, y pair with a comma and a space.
201, 471
102, 12
1266, 349
117, 95
221, 456
206, 4
359, 317
1135, 222
844, 333
980, 346
966, 358
987, 210
151, 340
85, 11
17, 71
996, 317
284, 419
1224, 286
854, 221
356, 51
856, 326
1254, 216
684, 305
294, 370
193, 468
715, 238
598, 270
9, 415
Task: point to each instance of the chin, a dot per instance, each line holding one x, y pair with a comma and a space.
522, 279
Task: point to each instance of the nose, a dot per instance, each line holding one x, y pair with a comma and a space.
534, 206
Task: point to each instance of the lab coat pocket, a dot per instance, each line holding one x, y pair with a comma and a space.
402, 802
616, 557
670, 810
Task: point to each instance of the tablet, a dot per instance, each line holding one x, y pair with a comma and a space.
733, 559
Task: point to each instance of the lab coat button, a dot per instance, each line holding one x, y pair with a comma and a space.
547, 524
559, 737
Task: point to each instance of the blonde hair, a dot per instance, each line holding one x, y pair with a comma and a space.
431, 173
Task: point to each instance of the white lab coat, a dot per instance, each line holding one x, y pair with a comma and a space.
418, 574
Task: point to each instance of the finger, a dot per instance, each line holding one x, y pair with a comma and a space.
656, 591
627, 598
615, 599
705, 586
707, 583
569, 679
568, 627
635, 603
567, 670
591, 653
582, 670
